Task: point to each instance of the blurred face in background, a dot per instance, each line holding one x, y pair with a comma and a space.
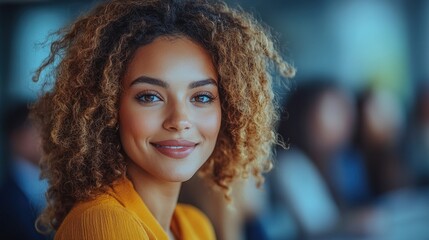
382, 119
331, 121
26, 143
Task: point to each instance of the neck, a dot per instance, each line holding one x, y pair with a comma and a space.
159, 196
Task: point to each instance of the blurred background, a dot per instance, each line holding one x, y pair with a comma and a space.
355, 120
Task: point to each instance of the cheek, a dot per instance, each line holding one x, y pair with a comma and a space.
210, 123
136, 123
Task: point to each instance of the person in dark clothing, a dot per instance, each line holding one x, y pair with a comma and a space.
21, 190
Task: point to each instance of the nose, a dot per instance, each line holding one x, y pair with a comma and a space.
177, 119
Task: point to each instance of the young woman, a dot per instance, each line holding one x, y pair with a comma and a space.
146, 94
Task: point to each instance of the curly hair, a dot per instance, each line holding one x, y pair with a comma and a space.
78, 117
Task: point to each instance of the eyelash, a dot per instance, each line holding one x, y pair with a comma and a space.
210, 97
142, 97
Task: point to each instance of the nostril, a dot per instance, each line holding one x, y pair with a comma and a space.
177, 125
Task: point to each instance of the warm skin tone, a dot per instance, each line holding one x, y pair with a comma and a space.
169, 119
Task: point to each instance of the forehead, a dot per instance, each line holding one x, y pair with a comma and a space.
171, 58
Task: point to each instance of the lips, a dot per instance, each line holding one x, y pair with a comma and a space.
175, 148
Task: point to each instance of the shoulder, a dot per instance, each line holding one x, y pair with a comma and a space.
10, 189
196, 220
192, 212
17, 215
10, 192
101, 218
13, 202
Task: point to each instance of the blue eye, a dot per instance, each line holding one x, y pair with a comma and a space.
148, 98
203, 98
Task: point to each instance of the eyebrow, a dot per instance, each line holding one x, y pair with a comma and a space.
202, 83
163, 84
149, 80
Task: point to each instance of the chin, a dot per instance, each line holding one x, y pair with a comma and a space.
179, 176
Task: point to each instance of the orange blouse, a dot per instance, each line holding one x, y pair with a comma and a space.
120, 213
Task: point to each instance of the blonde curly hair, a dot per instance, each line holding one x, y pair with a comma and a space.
78, 117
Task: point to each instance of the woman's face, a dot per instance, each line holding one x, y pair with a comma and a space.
170, 112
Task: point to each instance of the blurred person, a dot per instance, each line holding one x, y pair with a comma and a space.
396, 209
378, 138
146, 94
316, 125
417, 143
22, 192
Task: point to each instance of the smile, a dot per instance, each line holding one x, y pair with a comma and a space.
177, 149
172, 147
